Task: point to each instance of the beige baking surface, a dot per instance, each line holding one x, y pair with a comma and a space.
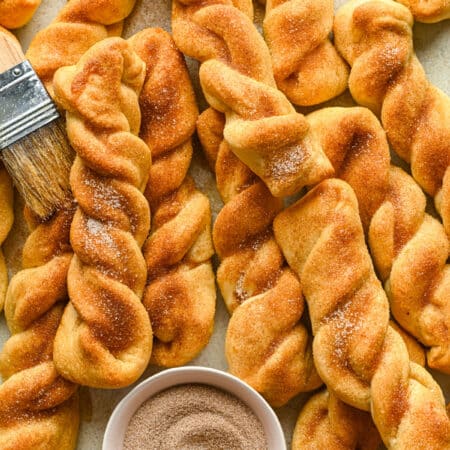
432, 44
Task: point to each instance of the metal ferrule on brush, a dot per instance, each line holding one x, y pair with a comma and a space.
25, 104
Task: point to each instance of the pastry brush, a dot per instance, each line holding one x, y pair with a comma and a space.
33, 141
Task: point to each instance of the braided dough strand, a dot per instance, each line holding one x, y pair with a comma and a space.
180, 292
262, 128
265, 341
327, 422
16, 13
78, 26
104, 339
428, 11
306, 65
375, 37
360, 357
409, 247
38, 408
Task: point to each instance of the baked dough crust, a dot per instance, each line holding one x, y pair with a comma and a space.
78, 26
104, 339
375, 37
38, 408
17, 13
262, 127
266, 343
359, 356
6, 221
180, 293
306, 65
408, 246
428, 11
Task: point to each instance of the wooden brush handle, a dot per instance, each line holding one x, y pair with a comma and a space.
11, 53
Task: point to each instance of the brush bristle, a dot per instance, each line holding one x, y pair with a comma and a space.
40, 167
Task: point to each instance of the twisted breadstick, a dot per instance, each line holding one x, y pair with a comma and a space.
409, 247
265, 345
325, 422
78, 26
360, 357
16, 13
104, 339
262, 128
428, 11
6, 221
410, 250
306, 65
180, 292
38, 408
375, 37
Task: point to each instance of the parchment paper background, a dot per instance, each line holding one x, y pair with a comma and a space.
432, 44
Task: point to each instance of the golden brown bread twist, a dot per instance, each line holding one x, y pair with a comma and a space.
262, 128
6, 221
360, 357
16, 13
409, 247
428, 11
306, 65
266, 345
104, 339
188, 33
38, 408
180, 293
78, 26
325, 422
375, 37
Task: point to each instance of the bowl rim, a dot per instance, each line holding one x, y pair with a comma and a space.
125, 409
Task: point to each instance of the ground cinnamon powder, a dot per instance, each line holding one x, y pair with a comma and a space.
194, 416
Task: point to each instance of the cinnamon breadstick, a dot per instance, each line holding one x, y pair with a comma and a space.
16, 13
180, 293
265, 341
104, 339
306, 65
325, 422
428, 11
360, 357
261, 127
408, 246
375, 37
78, 26
38, 408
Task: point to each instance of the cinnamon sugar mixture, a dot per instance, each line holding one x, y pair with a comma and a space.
194, 416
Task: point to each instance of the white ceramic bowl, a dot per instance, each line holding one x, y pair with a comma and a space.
118, 422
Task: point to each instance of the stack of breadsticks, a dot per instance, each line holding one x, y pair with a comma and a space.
122, 276
39, 408
409, 246
103, 337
